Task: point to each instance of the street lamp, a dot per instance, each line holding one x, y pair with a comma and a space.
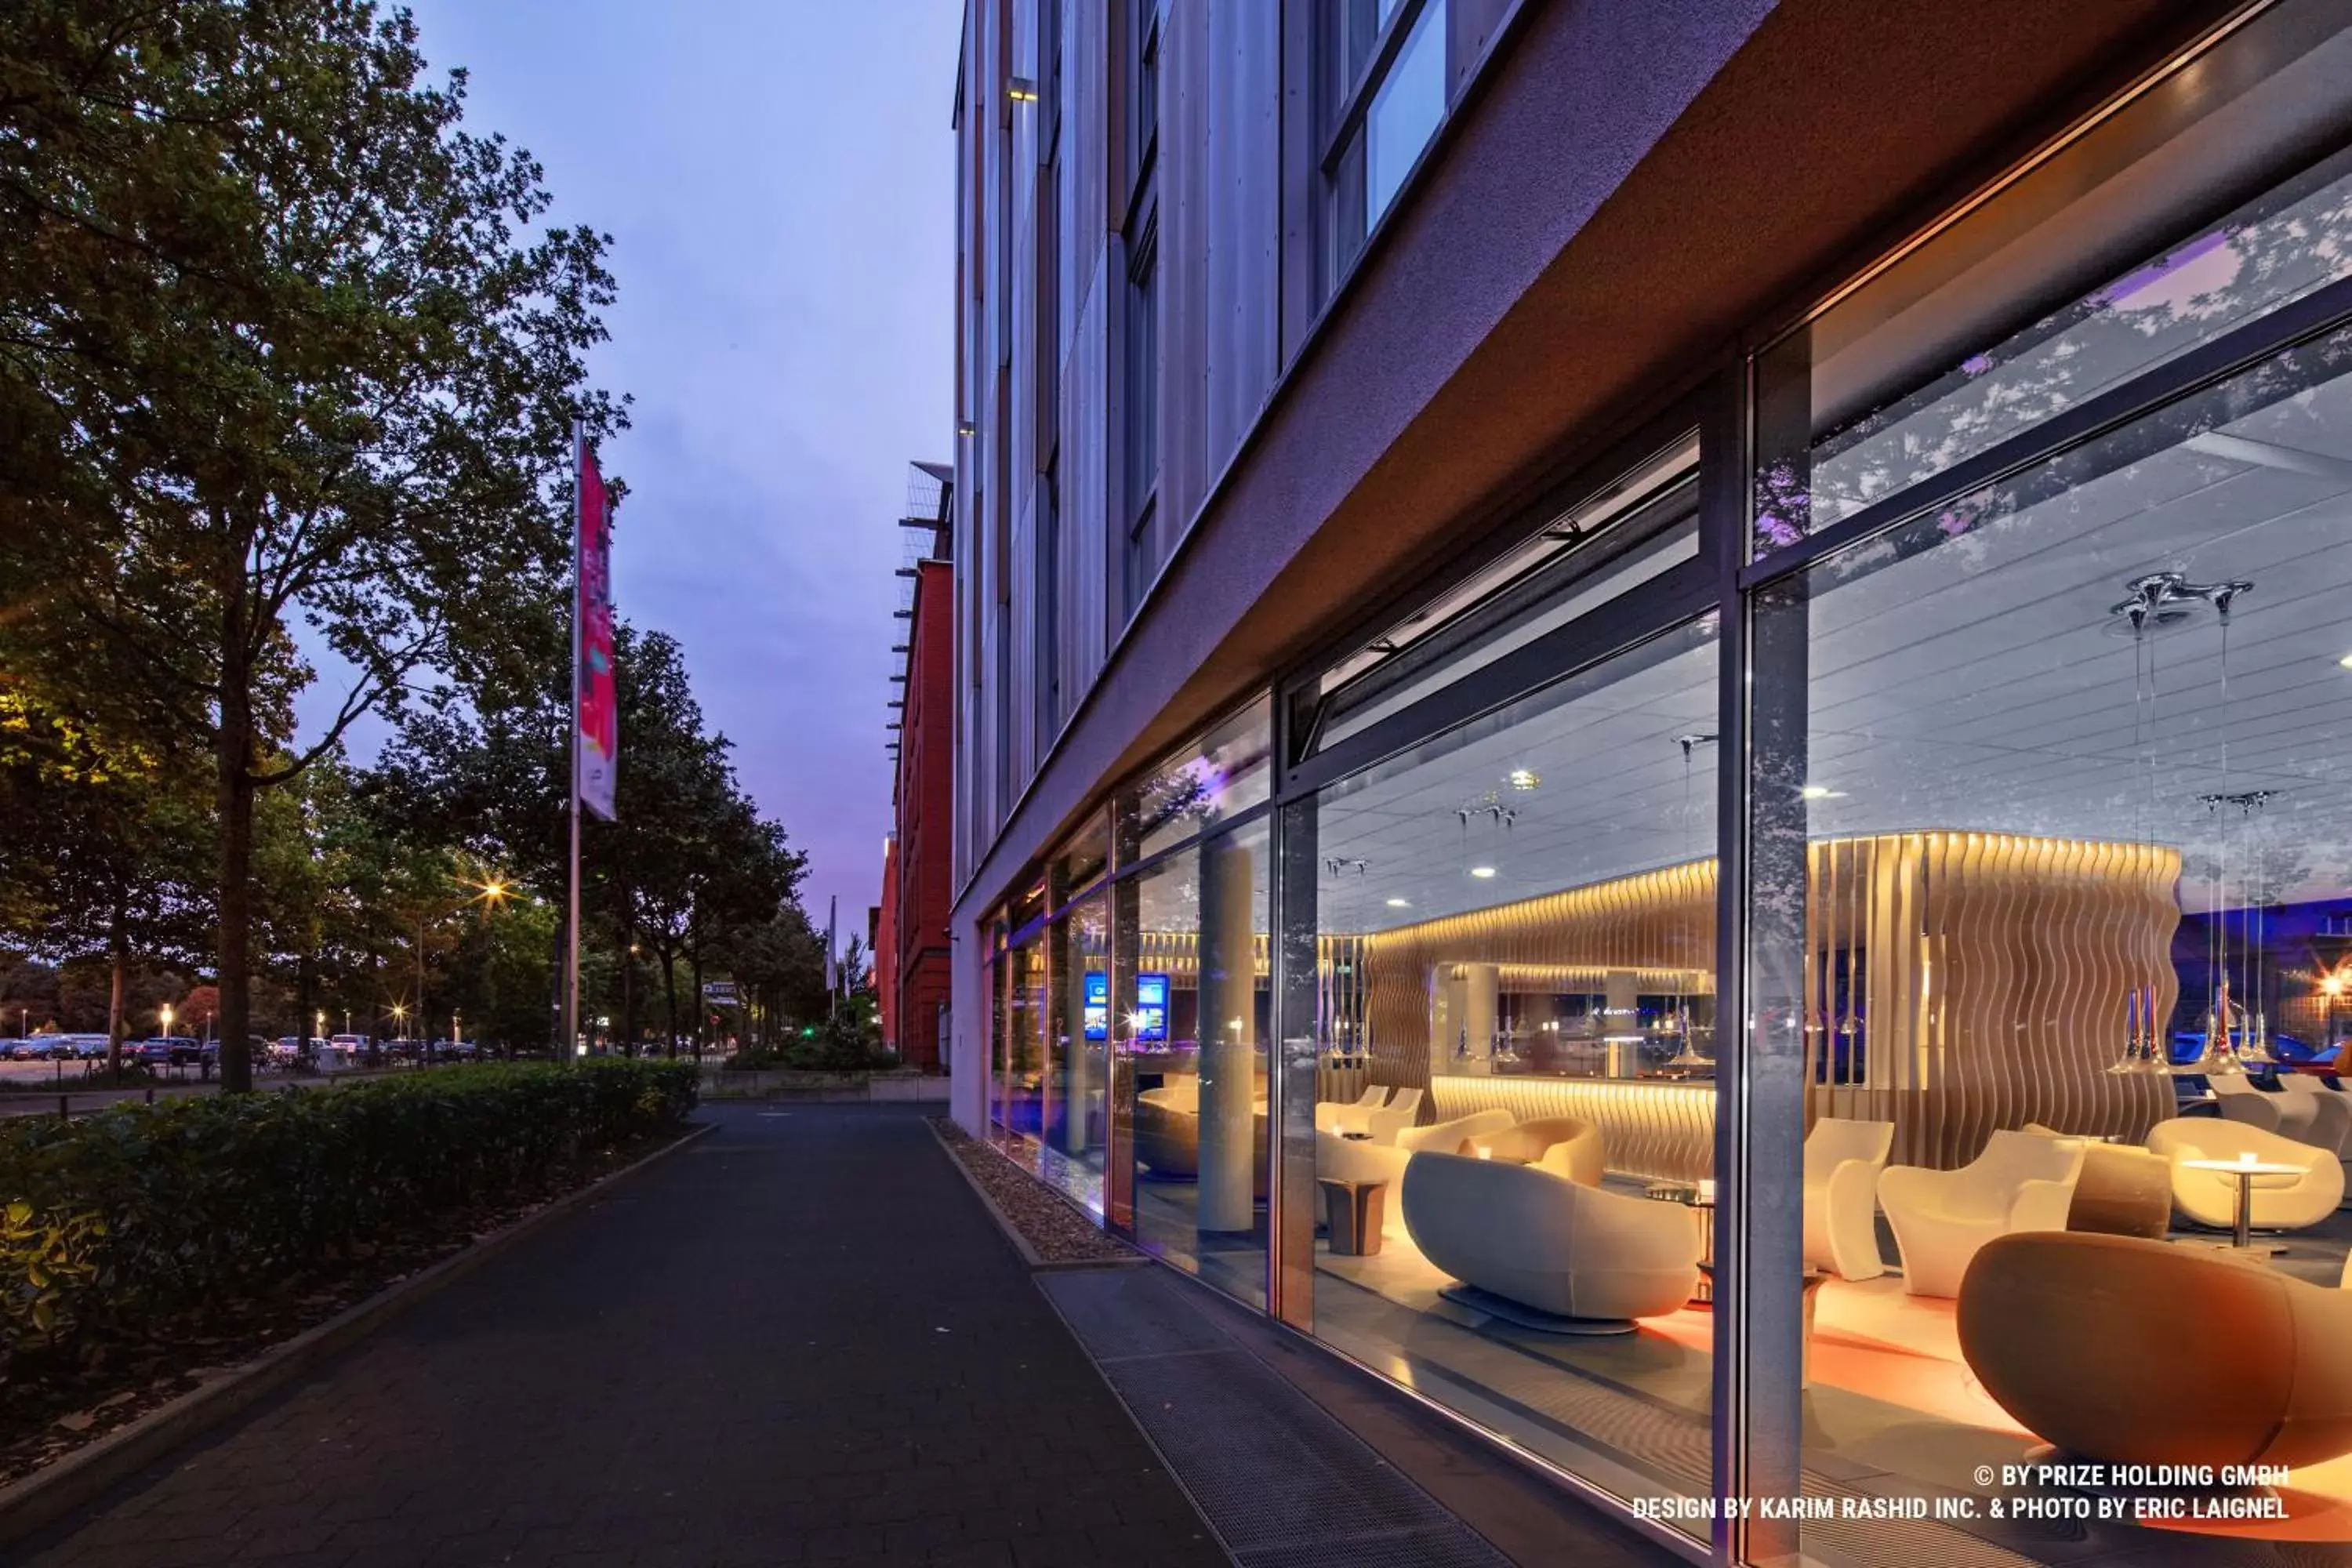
2331, 987
167, 1020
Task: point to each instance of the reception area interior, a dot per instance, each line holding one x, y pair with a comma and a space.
2043, 895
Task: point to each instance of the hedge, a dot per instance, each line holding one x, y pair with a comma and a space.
141, 1215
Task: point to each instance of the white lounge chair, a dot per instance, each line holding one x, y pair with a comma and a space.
2211, 1197
1401, 1112
2238, 1100
1525, 1234
1843, 1160
1566, 1145
1340, 1116
2328, 1121
1940, 1218
1452, 1137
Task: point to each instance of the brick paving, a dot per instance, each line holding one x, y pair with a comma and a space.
801, 1340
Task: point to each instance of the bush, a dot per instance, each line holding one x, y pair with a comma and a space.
836, 1045
115, 1224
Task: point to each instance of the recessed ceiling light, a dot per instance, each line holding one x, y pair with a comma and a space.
1821, 792
1399, 904
2346, 662
1482, 872
1524, 778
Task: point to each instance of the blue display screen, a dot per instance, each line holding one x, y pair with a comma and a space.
1097, 1006
1151, 1007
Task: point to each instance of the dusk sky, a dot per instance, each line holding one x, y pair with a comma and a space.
777, 176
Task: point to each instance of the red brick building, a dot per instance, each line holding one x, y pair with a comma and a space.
911, 945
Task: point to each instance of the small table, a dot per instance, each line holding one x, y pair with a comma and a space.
2241, 1234
1704, 1207
1352, 1213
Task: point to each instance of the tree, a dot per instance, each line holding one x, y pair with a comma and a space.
687, 863
302, 353
106, 849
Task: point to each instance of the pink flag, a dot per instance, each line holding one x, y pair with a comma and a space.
598, 715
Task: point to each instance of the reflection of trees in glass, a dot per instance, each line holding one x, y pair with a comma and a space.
2292, 241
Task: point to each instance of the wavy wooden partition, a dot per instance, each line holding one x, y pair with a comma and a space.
1994, 971
1989, 971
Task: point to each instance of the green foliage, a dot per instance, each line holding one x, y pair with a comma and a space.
844, 1044
120, 1224
281, 344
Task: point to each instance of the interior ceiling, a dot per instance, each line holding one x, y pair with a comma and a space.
1981, 684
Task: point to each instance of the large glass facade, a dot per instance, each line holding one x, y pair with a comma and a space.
1200, 1008
1514, 1121
1811, 978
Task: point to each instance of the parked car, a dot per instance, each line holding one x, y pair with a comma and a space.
23, 1049
154, 1053
455, 1050
88, 1047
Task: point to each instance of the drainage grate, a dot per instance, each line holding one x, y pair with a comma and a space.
1279, 1479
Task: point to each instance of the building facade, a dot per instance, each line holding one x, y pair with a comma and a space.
910, 936
1651, 698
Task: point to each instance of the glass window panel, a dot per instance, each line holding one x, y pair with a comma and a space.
1196, 1017
1514, 942
1405, 111
1214, 779
1958, 347
1084, 858
2079, 857
1636, 527
1021, 1054
1073, 1116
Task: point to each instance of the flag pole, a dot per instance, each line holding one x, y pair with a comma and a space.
565, 1046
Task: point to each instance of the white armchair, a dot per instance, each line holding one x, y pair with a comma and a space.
1842, 1161
1449, 1137
1339, 1116
2238, 1100
1565, 1145
2327, 1120
1941, 1218
1401, 1112
2211, 1197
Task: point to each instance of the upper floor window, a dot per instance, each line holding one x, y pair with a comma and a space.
1384, 80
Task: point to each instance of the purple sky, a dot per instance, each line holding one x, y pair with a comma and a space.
777, 176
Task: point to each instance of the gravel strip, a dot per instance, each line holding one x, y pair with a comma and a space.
1055, 1226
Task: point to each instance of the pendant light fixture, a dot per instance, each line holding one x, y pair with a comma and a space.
1687, 1057
2144, 1054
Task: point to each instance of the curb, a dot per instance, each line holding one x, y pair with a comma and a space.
58, 1490
1035, 1262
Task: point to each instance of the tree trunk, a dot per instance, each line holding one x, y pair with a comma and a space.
701, 1005
670, 1002
235, 796
629, 988
118, 948
305, 999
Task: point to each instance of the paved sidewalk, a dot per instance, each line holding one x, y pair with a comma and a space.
801, 1340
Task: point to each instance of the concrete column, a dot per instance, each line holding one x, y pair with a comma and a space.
1228, 1035
1078, 1101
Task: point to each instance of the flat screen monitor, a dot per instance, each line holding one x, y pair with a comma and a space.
1150, 1008
1097, 1006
